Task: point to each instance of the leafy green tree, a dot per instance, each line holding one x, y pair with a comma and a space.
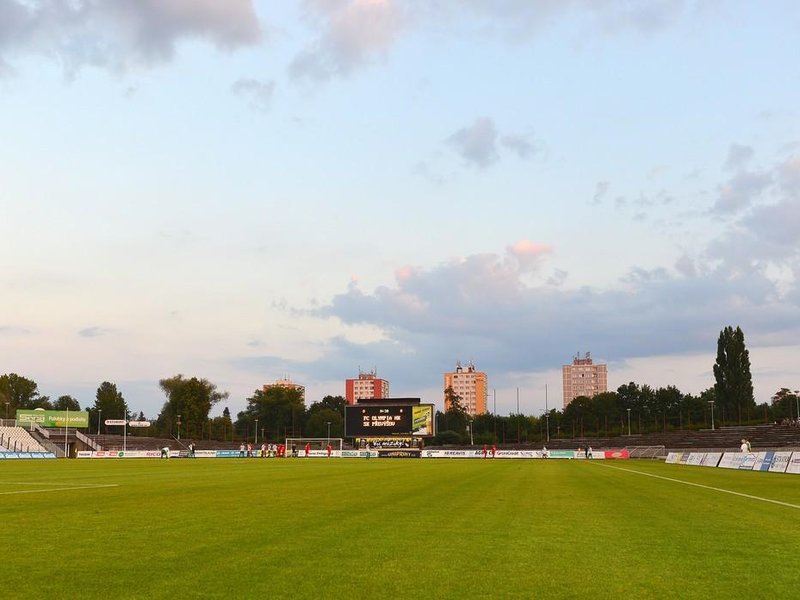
66, 403
19, 392
693, 411
485, 427
335, 403
606, 410
667, 401
317, 423
189, 400
578, 414
784, 404
448, 438
733, 380
279, 410
222, 427
708, 398
452, 401
108, 404
329, 410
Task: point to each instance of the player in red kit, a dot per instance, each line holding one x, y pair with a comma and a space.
494, 450
329, 448
308, 449
485, 451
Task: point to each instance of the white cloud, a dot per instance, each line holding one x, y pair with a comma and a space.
519, 144
600, 190
741, 191
352, 34
119, 34
259, 93
485, 307
738, 157
476, 143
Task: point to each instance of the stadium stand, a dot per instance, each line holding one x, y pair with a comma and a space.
762, 437
17, 439
652, 445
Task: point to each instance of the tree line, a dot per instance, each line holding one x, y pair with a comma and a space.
276, 412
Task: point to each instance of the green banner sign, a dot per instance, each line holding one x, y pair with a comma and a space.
53, 418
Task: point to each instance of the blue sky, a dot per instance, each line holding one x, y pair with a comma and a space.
247, 190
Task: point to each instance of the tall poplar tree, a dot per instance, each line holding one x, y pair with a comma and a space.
734, 382
109, 404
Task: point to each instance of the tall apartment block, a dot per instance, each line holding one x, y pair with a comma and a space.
470, 385
289, 384
368, 385
583, 378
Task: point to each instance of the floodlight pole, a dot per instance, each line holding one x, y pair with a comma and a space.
66, 434
471, 439
328, 423
629, 422
711, 402
99, 412
546, 412
256, 442
179, 428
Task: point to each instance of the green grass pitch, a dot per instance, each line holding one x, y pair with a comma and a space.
353, 528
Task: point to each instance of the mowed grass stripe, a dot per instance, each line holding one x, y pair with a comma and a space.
60, 488
399, 528
707, 487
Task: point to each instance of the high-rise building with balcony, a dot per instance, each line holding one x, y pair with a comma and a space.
583, 378
470, 386
368, 385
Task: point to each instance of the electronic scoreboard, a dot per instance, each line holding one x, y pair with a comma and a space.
388, 420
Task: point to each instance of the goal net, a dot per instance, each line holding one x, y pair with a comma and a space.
299, 444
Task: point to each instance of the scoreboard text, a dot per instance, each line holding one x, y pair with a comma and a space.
375, 420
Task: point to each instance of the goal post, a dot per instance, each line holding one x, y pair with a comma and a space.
314, 443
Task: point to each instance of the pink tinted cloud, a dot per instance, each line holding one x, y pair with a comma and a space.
353, 32
528, 248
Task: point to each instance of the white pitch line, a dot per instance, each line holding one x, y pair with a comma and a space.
700, 485
94, 486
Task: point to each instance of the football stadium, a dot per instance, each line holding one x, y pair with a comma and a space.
399, 299
331, 519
